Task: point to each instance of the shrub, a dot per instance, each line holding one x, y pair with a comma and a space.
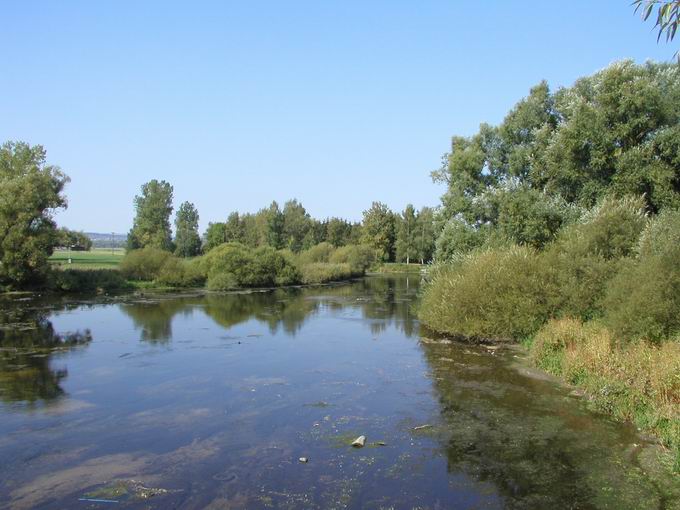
322, 272
319, 253
86, 280
643, 300
180, 273
359, 257
232, 265
585, 256
144, 264
490, 294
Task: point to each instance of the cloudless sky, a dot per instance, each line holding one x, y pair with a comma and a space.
335, 103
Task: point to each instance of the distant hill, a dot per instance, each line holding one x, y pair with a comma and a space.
103, 240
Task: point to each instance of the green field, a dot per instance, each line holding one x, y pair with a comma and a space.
97, 258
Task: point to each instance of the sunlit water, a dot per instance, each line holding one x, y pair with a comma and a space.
210, 401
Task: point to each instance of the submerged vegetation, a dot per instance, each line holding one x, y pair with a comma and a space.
561, 229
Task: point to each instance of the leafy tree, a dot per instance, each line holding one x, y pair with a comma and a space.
30, 190
187, 239
339, 231
296, 225
214, 235
152, 222
233, 229
407, 235
379, 230
275, 223
77, 241
425, 235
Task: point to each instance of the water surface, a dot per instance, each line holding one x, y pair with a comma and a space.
209, 401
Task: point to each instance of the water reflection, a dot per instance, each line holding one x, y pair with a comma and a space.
28, 342
381, 300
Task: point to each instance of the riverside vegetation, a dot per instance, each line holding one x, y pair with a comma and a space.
561, 230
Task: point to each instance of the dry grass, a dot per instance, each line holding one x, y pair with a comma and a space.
639, 382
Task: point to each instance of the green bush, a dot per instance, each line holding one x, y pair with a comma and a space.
322, 272
643, 299
86, 280
359, 257
319, 253
585, 256
457, 237
144, 264
490, 294
232, 265
181, 273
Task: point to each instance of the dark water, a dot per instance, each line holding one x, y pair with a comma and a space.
210, 401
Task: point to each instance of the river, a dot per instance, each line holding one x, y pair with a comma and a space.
252, 400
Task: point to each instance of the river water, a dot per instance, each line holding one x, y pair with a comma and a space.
210, 401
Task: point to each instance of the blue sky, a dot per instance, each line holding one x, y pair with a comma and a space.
334, 103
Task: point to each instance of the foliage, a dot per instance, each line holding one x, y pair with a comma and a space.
667, 16
495, 294
638, 382
457, 237
296, 225
584, 257
86, 280
643, 299
426, 234
616, 132
275, 223
180, 273
234, 265
215, 235
30, 191
153, 208
379, 230
187, 239
319, 253
73, 240
406, 245
144, 264
358, 257
323, 272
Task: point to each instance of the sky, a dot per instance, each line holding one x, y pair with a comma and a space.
336, 104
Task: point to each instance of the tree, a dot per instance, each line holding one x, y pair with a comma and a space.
339, 231
426, 234
187, 239
379, 230
30, 191
406, 244
296, 225
274, 226
73, 240
667, 16
214, 236
233, 229
152, 221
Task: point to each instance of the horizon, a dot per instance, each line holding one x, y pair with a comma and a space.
336, 106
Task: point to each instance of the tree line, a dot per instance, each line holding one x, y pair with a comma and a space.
397, 237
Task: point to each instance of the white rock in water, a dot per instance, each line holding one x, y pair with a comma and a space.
304, 460
359, 442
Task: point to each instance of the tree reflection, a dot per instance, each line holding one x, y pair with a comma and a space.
383, 300
27, 343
